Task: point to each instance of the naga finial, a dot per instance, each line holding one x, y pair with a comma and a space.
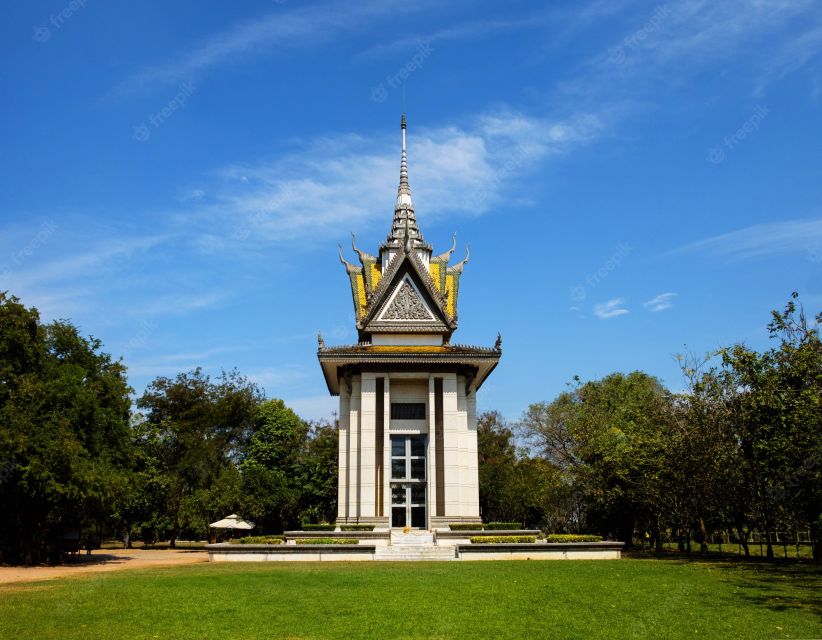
444, 257
364, 257
459, 266
346, 263
498, 343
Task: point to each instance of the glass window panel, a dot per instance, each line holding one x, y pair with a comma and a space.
418, 494
398, 494
418, 517
418, 446
418, 469
397, 446
408, 411
398, 517
398, 468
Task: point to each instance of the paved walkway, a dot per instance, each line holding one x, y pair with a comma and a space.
103, 560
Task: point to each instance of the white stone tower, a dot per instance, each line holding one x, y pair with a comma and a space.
408, 439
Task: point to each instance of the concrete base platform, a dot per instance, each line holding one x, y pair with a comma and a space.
416, 548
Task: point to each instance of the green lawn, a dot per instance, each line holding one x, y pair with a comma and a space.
630, 598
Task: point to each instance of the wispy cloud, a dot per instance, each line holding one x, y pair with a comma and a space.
303, 26
664, 43
462, 31
453, 170
610, 309
777, 238
661, 302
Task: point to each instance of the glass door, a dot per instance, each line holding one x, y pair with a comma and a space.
408, 481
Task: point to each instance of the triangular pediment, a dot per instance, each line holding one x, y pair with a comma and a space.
406, 302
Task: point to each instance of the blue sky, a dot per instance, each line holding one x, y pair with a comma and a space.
634, 178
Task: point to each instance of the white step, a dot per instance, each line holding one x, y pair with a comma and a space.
414, 552
412, 538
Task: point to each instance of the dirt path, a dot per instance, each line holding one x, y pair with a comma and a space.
103, 560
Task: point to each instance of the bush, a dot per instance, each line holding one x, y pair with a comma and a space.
357, 527
571, 537
466, 526
326, 541
508, 526
259, 540
319, 527
502, 539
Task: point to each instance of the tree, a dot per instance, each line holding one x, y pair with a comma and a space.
193, 430
64, 411
271, 466
497, 459
608, 437
319, 474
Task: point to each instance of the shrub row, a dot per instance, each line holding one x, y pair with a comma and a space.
507, 526
356, 527
259, 540
571, 537
502, 539
319, 527
488, 526
325, 541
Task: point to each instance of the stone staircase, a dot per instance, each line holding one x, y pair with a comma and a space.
414, 545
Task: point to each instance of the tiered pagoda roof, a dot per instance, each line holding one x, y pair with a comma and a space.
405, 290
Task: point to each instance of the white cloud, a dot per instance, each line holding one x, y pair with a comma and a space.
661, 302
666, 42
610, 309
777, 238
303, 26
462, 31
453, 170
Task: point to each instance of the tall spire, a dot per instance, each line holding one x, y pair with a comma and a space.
404, 190
405, 221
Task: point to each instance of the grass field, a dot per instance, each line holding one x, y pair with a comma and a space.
630, 598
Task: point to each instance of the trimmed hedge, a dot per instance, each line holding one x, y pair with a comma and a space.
356, 527
326, 541
502, 539
571, 537
319, 527
466, 526
259, 540
507, 526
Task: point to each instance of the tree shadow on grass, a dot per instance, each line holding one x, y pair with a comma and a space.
778, 585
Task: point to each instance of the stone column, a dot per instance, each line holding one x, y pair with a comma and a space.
387, 450
354, 451
450, 452
472, 471
367, 434
432, 452
344, 440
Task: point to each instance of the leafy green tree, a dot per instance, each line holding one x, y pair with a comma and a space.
272, 467
497, 459
319, 474
776, 400
609, 436
195, 429
64, 434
